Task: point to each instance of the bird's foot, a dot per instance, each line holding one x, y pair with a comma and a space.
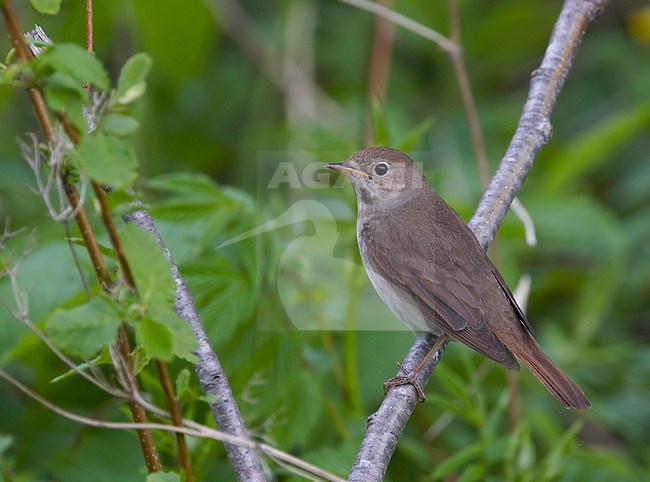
406, 378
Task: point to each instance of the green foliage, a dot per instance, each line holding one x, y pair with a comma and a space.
202, 106
107, 160
161, 333
84, 330
131, 84
50, 7
74, 61
163, 477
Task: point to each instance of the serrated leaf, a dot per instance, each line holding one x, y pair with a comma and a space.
75, 61
119, 124
68, 102
193, 197
183, 383
155, 338
150, 268
131, 84
84, 330
186, 183
185, 342
225, 294
107, 160
49, 7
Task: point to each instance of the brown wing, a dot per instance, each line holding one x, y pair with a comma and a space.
513, 302
444, 294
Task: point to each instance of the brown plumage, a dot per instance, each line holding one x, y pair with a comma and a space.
430, 270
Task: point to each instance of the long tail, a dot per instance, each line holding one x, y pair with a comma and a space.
561, 386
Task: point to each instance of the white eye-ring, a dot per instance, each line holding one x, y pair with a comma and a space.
381, 169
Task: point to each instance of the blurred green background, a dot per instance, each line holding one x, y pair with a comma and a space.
233, 80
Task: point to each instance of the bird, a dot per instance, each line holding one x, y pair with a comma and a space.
429, 268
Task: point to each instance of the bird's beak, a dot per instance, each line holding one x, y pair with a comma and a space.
346, 169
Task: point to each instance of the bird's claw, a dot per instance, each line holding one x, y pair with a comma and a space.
406, 378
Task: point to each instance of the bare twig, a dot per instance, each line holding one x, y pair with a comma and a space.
89, 26
533, 131
246, 462
21, 314
534, 127
176, 418
188, 428
443, 42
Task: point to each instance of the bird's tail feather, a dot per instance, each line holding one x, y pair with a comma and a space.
555, 380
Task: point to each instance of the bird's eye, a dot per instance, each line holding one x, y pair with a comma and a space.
381, 169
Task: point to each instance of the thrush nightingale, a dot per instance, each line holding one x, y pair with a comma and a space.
428, 267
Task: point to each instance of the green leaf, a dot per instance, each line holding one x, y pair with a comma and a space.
380, 128
107, 160
162, 333
184, 340
163, 477
50, 7
103, 248
155, 338
75, 61
226, 294
150, 268
85, 329
552, 466
68, 101
131, 84
415, 135
183, 387
119, 125
594, 147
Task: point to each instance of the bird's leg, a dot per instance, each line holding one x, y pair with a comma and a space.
410, 378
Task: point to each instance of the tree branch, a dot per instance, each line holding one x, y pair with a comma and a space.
245, 461
533, 132
534, 128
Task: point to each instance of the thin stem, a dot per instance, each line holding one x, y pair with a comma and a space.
189, 428
176, 418
247, 463
443, 42
379, 70
81, 217
137, 411
351, 341
89, 26
460, 71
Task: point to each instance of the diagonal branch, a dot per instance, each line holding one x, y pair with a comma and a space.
246, 462
533, 132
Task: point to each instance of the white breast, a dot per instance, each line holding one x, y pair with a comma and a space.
399, 301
